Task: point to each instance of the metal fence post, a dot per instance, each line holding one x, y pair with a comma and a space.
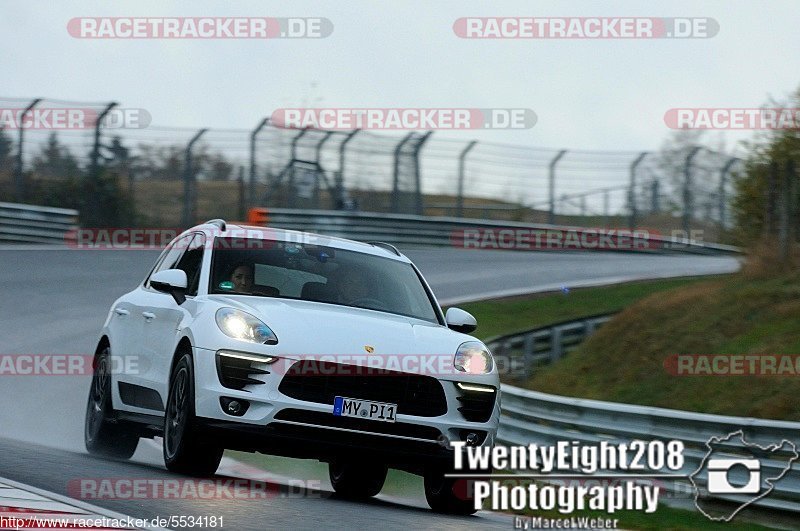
296, 140
92, 214
251, 190
320, 173
556, 348
396, 177
632, 190
286, 172
19, 176
417, 177
290, 181
461, 169
339, 200
242, 194
96, 146
551, 216
189, 182
688, 206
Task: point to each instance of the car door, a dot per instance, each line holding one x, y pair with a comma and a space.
135, 389
163, 316
124, 329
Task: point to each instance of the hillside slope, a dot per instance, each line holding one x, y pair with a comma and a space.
625, 360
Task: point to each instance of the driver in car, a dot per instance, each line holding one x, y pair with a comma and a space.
351, 286
243, 277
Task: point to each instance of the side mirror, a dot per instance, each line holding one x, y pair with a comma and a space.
460, 321
172, 281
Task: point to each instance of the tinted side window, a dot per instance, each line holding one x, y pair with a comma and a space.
170, 260
191, 262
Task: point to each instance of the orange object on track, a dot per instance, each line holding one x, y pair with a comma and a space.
258, 216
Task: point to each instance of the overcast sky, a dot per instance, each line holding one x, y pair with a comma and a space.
588, 94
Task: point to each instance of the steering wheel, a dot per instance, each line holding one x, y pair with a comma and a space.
369, 303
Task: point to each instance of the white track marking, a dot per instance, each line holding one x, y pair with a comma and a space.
25, 497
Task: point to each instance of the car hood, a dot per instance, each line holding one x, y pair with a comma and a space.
346, 335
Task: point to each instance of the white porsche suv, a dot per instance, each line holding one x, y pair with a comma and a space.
294, 344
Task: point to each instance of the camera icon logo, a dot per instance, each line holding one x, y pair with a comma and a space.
721, 472
739, 471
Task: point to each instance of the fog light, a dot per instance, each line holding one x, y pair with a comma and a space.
476, 388
472, 437
233, 406
247, 356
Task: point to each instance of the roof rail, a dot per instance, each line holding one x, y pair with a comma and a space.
218, 222
388, 246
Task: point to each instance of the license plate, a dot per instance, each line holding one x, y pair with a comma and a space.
364, 409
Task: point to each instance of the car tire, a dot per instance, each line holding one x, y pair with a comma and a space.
357, 481
185, 452
103, 434
449, 495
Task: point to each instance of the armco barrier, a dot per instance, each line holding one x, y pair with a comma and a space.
532, 417
21, 223
546, 344
35, 224
402, 229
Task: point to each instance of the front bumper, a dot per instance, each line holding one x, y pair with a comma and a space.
278, 424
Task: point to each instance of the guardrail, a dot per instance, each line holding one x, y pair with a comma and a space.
526, 350
402, 229
35, 224
532, 417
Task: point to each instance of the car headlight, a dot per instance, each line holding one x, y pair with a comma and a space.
241, 325
474, 358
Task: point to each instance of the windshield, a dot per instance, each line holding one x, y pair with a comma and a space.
287, 270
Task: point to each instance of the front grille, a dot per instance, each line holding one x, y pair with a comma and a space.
236, 373
351, 423
477, 406
321, 382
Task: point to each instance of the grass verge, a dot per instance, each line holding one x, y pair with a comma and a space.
505, 316
625, 360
